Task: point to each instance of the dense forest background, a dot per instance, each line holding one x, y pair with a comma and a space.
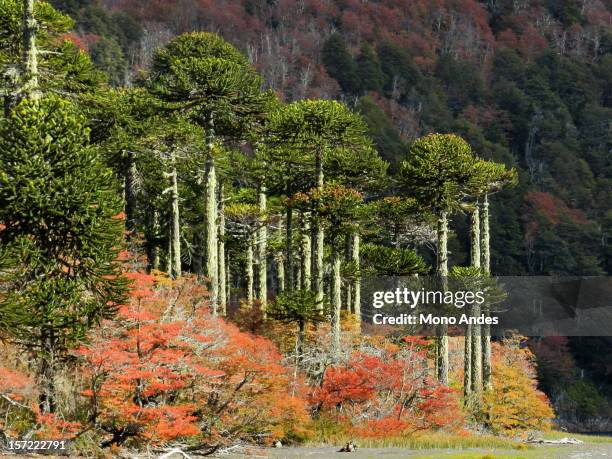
527, 83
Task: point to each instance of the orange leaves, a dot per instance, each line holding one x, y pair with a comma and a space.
384, 391
167, 369
515, 404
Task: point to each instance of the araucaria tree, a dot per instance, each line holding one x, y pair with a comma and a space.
213, 83
438, 173
60, 237
314, 130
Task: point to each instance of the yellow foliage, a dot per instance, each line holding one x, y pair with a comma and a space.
515, 404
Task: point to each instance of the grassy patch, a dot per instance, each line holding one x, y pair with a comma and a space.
424, 441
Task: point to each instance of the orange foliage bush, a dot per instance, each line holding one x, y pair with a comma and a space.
166, 369
384, 391
515, 404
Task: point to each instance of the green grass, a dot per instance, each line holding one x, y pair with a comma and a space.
423, 441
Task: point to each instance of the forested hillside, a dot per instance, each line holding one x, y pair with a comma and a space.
192, 193
527, 83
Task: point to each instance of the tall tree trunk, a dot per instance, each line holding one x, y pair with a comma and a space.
475, 254
477, 357
212, 247
210, 221
319, 238
221, 254
280, 272
262, 250
485, 248
228, 279
169, 252
356, 295
176, 227
151, 236
289, 274
347, 288
336, 296
486, 267
467, 362
250, 273
442, 268
29, 59
129, 186
474, 329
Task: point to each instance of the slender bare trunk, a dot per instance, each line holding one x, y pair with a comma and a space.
475, 329
356, 294
151, 236
486, 266
467, 362
289, 274
306, 253
336, 297
169, 252
485, 252
249, 270
280, 272
221, 255
262, 250
319, 239
176, 228
29, 60
443, 344
475, 237
130, 192
212, 262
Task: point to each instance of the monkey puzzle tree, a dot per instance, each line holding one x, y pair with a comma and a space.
201, 74
299, 307
32, 37
59, 273
339, 207
312, 130
438, 172
488, 177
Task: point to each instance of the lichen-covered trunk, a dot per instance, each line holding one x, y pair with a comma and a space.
467, 362
221, 255
486, 267
130, 190
476, 378
262, 250
280, 272
151, 239
176, 226
29, 60
319, 238
475, 254
212, 243
356, 290
442, 354
289, 274
336, 297
475, 329
250, 272
306, 253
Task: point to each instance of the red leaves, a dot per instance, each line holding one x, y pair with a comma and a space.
170, 369
386, 392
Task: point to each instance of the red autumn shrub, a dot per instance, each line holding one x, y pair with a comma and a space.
385, 391
166, 369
